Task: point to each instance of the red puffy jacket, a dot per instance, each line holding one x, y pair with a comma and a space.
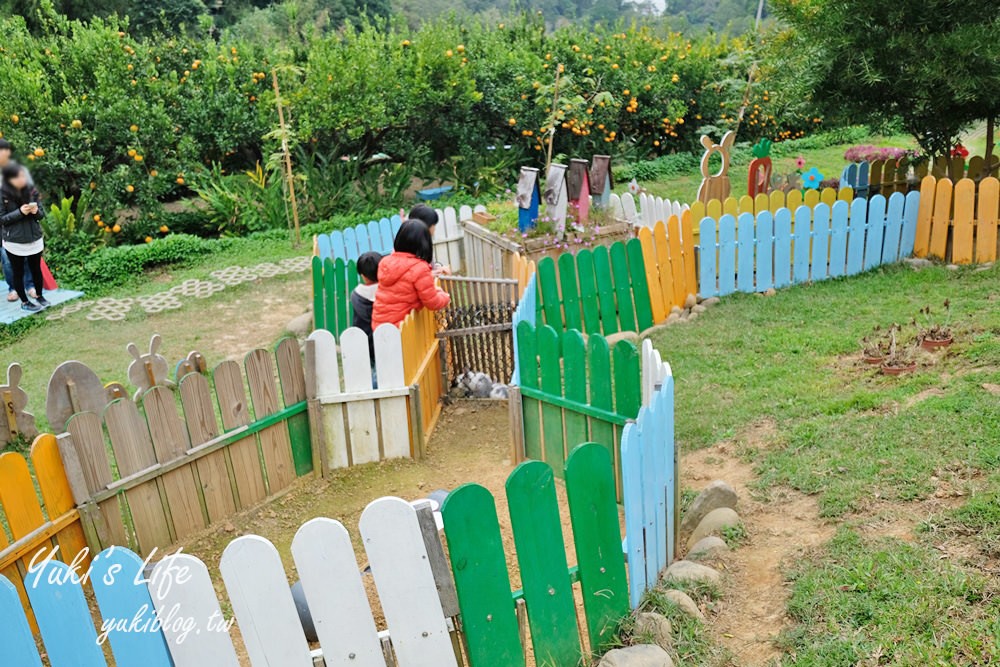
405, 283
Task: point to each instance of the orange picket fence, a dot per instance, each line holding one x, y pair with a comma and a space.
958, 220
422, 367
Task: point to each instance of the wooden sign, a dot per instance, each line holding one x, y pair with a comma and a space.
716, 186
528, 199
601, 182
14, 419
147, 370
759, 177
578, 186
73, 388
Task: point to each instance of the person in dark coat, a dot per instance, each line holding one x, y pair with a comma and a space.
21, 232
363, 296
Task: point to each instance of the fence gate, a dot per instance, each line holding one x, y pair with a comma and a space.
476, 327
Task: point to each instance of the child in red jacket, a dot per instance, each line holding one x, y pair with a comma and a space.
405, 278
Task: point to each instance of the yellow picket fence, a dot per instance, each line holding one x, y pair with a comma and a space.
668, 252
422, 367
38, 520
958, 220
769, 202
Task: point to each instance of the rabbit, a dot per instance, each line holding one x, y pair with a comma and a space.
716, 186
148, 370
25, 421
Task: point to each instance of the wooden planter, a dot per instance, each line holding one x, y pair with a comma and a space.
491, 255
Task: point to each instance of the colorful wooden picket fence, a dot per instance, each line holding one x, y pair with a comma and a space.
749, 254
772, 202
361, 423
573, 390
422, 366
652, 209
650, 478
333, 282
411, 580
170, 470
958, 220
36, 520
669, 255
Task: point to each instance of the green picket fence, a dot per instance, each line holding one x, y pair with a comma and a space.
479, 564
604, 290
333, 281
574, 390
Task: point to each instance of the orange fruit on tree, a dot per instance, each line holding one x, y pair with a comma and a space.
180, 180
149, 239
76, 124
133, 128
129, 188
154, 173
116, 228
138, 158
131, 152
14, 118
164, 229
39, 152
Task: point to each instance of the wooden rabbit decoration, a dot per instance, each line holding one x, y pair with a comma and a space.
14, 420
148, 370
716, 186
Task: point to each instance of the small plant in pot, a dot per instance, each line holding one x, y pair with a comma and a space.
899, 358
936, 333
875, 346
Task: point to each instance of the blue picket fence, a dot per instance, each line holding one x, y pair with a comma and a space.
781, 249
351, 243
649, 482
527, 311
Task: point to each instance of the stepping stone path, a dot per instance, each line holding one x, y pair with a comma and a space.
115, 310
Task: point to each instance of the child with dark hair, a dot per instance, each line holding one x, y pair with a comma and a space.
430, 218
363, 296
6, 157
21, 231
406, 280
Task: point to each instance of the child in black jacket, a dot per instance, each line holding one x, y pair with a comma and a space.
21, 232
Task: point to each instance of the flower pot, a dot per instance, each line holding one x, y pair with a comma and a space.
897, 370
932, 345
873, 360
483, 218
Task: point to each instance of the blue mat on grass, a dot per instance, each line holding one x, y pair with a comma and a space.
11, 312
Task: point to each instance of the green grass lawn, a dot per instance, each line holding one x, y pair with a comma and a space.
863, 444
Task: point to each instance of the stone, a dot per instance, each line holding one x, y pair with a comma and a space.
640, 655
655, 329
691, 301
708, 547
692, 316
674, 318
301, 326
631, 336
714, 523
676, 310
684, 603
918, 262
984, 267
770, 292
952, 267
711, 301
654, 627
688, 572
699, 309
717, 494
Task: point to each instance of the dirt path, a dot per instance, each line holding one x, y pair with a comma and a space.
752, 611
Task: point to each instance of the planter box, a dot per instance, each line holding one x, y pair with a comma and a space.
491, 255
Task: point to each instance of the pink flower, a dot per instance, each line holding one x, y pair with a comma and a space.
800, 162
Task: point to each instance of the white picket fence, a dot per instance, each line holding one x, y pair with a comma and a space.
361, 424
651, 209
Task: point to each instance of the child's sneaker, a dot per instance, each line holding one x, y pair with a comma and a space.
43, 302
29, 307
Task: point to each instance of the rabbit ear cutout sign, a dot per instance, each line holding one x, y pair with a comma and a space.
148, 370
14, 420
716, 186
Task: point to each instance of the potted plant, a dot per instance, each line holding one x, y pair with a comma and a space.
936, 334
874, 347
899, 358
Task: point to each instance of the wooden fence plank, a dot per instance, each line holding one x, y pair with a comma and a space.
987, 220
681, 289
745, 231
197, 598
819, 269
659, 309
664, 266
708, 278
541, 557
601, 395
479, 564
217, 488
941, 220
550, 382
588, 291
274, 441
801, 247
319, 304
893, 228
838, 239
15, 633
876, 232
87, 438
235, 411
640, 285
292, 380
269, 624
170, 442
632, 492
911, 210
389, 364
606, 291
121, 592
405, 584
18, 497
922, 239
856, 236
963, 221
327, 361
548, 283
623, 291
575, 386
569, 292
727, 255
362, 425
590, 489
765, 251
64, 620
687, 223
57, 496
782, 248
527, 351
324, 558
134, 453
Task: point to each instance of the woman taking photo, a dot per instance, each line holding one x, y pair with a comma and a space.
21, 232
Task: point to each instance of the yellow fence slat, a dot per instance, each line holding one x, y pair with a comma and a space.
746, 205
663, 264
761, 203
928, 189
652, 275
828, 196
676, 259
730, 206
987, 220
698, 212
777, 201
810, 199
714, 209
687, 240
941, 219
965, 204
845, 194
18, 496
57, 496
